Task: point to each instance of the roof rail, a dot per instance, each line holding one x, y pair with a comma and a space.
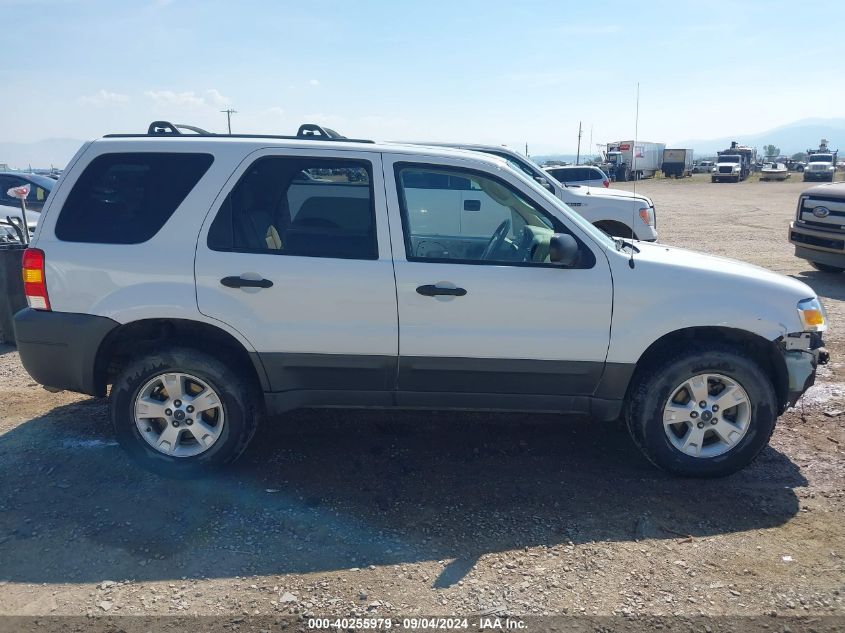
166, 127
310, 130
306, 131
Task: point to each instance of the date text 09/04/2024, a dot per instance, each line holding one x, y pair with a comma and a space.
442, 623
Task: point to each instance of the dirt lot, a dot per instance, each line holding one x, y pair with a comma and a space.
346, 512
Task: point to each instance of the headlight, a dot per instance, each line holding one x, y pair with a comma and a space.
812, 315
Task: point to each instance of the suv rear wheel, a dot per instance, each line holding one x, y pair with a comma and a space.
703, 413
182, 413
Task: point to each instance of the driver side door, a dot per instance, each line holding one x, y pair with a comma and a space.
484, 320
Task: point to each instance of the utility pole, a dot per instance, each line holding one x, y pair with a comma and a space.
527, 155
229, 112
578, 155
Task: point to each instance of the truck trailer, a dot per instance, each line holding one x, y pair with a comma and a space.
630, 160
677, 163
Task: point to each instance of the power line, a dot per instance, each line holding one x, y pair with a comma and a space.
229, 112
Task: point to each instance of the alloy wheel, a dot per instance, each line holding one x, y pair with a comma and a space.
707, 415
179, 415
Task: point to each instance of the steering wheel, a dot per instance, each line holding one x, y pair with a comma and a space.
498, 238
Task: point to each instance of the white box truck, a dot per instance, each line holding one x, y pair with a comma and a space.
677, 163
629, 160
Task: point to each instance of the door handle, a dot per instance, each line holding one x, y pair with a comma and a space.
240, 282
431, 290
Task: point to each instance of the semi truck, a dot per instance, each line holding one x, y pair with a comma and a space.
632, 160
677, 163
821, 163
734, 164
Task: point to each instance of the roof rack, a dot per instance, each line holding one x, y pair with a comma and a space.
306, 131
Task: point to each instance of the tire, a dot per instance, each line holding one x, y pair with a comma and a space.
233, 416
826, 268
623, 175
651, 392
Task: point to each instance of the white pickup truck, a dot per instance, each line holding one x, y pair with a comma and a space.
615, 211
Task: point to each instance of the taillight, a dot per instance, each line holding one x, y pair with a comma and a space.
34, 281
606, 183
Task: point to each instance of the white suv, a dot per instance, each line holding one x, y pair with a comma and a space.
211, 280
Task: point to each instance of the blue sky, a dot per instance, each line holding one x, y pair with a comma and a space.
486, 71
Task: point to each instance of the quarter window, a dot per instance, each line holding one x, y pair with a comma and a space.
128, 198
299, 206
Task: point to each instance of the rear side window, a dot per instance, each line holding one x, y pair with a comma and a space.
127, 198
573, 174
308, 207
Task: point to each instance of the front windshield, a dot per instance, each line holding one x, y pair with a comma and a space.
525, 166
729, 158
519, 166
612, 158
821, 158
41, 181
527, 177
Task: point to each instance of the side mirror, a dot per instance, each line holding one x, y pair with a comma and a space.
545, 183
563, 249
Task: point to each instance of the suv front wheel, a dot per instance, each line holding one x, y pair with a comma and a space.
181, 412
702, 413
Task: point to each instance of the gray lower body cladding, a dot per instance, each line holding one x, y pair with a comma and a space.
591, 388
60, 350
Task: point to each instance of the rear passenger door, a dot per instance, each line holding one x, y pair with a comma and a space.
296, 256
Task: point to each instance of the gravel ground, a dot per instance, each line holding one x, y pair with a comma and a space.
386, 514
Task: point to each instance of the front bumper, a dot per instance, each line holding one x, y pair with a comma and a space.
815, 245
818, 175
802, 353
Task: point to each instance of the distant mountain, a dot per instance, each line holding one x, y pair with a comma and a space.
54, 152
791, 138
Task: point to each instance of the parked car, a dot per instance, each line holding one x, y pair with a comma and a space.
703, 167
40, 188
210, 286
615, 211
817, 232
579, 175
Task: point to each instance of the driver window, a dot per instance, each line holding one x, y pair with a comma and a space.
455, 215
